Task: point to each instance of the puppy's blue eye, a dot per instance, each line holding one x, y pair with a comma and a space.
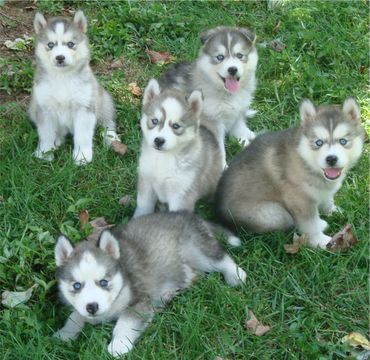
319, 143
77, 286
220, 57
50, 45
155, 121
343, 141
103, 283
239, 56
176, 126
70, 44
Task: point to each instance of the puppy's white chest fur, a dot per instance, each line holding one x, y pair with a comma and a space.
62, 96
167, 174
322, 195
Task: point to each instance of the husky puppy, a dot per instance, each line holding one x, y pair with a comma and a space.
283, 178
66, 97
225, 71
180, 160
135, 268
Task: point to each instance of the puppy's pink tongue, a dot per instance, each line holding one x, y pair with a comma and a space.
231, 84
332, 173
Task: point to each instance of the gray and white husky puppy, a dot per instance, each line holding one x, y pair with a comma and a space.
283, 178
225, 71
66, 97
180, 160
134, 269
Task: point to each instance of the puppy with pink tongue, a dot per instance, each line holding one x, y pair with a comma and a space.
282, 179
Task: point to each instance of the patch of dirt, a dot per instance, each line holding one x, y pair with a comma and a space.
16, 20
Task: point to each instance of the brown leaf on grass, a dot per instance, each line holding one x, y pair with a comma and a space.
98, 225
160, 57
298, 242
125, 200
277, 45
83, 216
119, 147
134, 89
356, 339
342, 240
254, 326
11, 299
118, 64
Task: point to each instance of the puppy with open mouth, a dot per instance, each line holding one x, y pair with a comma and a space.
225, 71
284, 178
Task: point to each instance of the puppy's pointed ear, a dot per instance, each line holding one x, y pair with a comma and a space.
39, 23
80, 21
195, 101
207, 34
151, 91
63, 250
307, 111
109, 244
351, 109
249, 35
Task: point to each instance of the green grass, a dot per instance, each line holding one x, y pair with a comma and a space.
310, 300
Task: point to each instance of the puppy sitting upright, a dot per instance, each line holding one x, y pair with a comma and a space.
282, 179
225, 71
66, 97
180, 160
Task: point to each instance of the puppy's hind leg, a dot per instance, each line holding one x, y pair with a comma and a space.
205, 253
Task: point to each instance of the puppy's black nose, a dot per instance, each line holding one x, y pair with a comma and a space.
92, 308
331, 160
159, 142
232, 70
60, 58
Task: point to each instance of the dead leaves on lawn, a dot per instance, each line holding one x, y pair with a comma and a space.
119, 147
254, 326
98, 225
342, 240
160, 57
298, 242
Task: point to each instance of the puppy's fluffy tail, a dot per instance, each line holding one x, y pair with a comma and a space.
107, 114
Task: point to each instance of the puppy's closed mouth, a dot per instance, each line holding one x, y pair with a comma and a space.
332, 173
231, 83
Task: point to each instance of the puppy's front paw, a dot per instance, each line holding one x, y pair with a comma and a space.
119, 346
44, 155
65, 335
82, 157
233, 240
319, 240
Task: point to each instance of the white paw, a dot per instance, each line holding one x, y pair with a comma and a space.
319, 240
44, 155
110, 136
65, 335
321, 225
82, 157
250, 113
330, 209
233, 240
244, 142
237, 278
119, 346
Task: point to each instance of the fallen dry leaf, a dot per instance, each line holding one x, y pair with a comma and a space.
254, 326
98, 225
356, 339
13, 298
159, 57
134, 89
298, 242
118, 64
342, 240
83, 216
119, 147
277, 45
125, 200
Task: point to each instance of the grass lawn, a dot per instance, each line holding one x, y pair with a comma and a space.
310, 300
